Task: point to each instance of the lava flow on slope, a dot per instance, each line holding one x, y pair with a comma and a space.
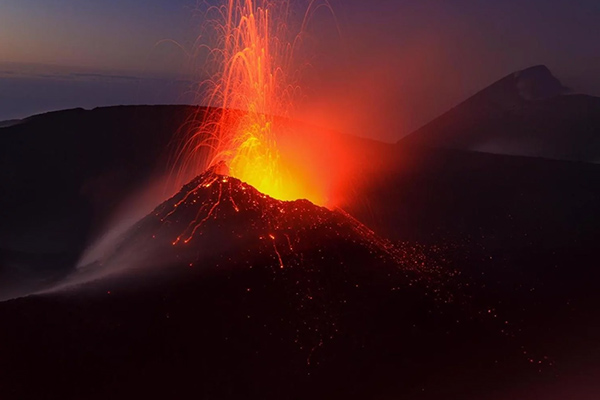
218, 216
224, 287
317, 261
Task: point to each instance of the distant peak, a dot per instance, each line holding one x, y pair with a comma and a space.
537, 83
541, 68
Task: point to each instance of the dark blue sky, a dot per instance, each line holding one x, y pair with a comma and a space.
399, 61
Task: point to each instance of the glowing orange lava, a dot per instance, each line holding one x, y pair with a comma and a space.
251, 91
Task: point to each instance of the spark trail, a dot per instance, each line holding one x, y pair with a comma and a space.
254, 87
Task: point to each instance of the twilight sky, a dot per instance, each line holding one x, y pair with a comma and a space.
396, 65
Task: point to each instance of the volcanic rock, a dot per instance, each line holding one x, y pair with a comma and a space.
222, 290
348, 316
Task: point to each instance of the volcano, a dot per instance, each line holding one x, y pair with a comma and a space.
216, 289
527, 113
352, 314
217, 221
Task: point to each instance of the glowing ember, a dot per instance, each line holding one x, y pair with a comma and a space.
253, 84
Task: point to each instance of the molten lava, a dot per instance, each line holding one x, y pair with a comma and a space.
253, 84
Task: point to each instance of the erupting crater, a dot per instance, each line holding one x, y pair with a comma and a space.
254, 68
218, 213
218, 220
296, 265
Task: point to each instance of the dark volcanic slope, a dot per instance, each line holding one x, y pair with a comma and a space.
347, 316
10, 122
221, 291
272, 300
217, 217
81, 162
62, 174
525, 113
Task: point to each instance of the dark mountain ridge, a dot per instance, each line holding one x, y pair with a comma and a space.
512, 239
526, 113
52, 210
10, 122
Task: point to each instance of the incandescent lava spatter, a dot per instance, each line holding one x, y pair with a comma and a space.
316, 261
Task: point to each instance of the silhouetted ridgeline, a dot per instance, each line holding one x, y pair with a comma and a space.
513, 239
526, 113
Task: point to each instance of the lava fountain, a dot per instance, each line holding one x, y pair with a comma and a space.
250, 95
